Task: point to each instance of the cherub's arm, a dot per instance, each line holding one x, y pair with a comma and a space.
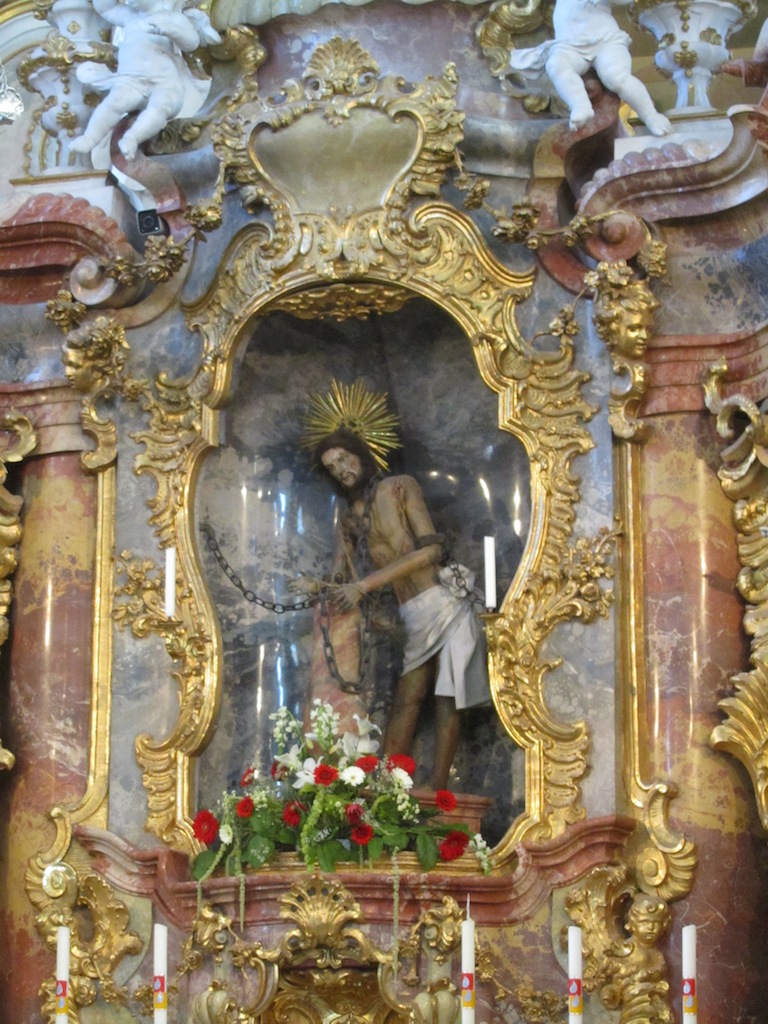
180, 29
113, 11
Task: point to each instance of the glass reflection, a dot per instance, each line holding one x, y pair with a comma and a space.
274, 516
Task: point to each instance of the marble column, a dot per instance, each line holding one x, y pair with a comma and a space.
45, 683
695, 645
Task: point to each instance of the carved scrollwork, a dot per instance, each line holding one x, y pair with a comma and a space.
63, 897
397, 242
623, 314
325, 964
622, 927
664, 860
744, 479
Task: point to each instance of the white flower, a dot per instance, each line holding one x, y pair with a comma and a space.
365, 726
291, 760
305, 776
401, 778
353, 775
325, 723
226, 835
482, 851
286, 726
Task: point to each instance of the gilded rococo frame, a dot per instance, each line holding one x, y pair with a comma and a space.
294, 256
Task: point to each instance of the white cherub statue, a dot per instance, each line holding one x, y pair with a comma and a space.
588, 36
152, 75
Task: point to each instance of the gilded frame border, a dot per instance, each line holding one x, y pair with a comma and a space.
316, 262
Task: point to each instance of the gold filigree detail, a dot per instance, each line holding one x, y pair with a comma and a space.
623, 316
663, 859
343, 301
325, 965
542, 1006
139, 607
163, 257
416, 246
621, 927
507, 19
100, 934
343, 86
744, 479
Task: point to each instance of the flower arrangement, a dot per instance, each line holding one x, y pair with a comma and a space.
331, 798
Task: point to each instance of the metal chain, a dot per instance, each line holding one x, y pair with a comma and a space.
362, 565
346, 685
271, 606
447, 558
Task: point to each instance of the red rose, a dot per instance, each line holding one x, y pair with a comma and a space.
361, 834
368, 762
205, 826
278, 771
291, 813
453, 846
401, 761
325, 774
354, 813
247, 776
445, 800
244, 808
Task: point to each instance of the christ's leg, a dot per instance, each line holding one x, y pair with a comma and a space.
447, 730
412, 690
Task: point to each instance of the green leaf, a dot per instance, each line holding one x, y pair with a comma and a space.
262, 823
329, 853
375, 848
202, 864
426, 850
397, 839
260, 849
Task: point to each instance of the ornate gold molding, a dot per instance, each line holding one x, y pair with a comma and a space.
100, 934
303, 255
664, 860
744, 479
23, 443
322, 260
326, 964
621, 927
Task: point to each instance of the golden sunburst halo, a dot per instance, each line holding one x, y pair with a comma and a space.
352, 407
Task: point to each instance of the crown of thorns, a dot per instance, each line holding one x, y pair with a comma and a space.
354, 408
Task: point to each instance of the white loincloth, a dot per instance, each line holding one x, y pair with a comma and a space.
437, 621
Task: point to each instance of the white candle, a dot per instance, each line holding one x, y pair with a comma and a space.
160, 971
575, 999
62, 973
170, 582
690, 997
468, 969
489, 549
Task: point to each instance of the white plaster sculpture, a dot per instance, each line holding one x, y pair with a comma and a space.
152, 75
588, 36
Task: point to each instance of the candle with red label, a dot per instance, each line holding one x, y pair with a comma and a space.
575, 1000
468, 969
160, 980
62, 973
690, 996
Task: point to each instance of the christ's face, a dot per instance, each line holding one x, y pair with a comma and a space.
343, 466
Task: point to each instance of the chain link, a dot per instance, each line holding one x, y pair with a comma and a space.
271, 606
